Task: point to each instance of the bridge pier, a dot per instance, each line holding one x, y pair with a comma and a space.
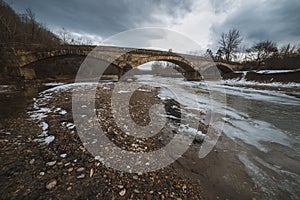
193, 76
123, 71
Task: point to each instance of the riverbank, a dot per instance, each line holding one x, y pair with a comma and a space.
33, 169
279, 76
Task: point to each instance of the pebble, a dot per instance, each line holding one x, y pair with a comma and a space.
50, 164
60, 163
91, 172
184, 188
136, 191
63, 155
81, 176
135, 177
70, 169
122, 192
42, 173
51, 184
32, 161
80, 169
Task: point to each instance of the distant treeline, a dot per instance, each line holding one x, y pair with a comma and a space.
23, 28
261, 55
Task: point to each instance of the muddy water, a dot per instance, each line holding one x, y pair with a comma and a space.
15, 98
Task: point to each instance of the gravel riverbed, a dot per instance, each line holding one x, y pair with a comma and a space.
42, 157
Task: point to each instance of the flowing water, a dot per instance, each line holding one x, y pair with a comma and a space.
263, 124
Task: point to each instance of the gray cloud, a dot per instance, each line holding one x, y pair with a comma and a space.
262, 20
103, 17
256, 19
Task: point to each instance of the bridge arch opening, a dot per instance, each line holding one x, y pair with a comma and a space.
164, 66
224, 69
216, 71
63, 67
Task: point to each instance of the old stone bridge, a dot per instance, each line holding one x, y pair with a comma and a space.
28, 62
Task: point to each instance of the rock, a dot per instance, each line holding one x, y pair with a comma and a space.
184, 188
199, 138
80, 169
42, 173
81, 176
63, 155
69, 188
59, 163
122, 192
50, 164
32, 161
51, 184
136, 191
70, 169
91, 172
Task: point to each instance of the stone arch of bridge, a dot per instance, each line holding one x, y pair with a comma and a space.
119, 66
216, 68
189, 70
56, 65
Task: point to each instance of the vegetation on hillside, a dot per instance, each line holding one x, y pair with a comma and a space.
22, 29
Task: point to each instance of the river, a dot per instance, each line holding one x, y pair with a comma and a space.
262, 126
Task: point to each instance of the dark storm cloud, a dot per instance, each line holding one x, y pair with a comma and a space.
257, 21
102, 17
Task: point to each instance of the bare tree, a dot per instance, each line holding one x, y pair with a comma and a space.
64, 35
263, 50
31, 19
219, 54
22, 28
288, 50
209, 54
229, 43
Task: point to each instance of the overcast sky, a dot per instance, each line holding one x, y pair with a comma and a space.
201, 20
